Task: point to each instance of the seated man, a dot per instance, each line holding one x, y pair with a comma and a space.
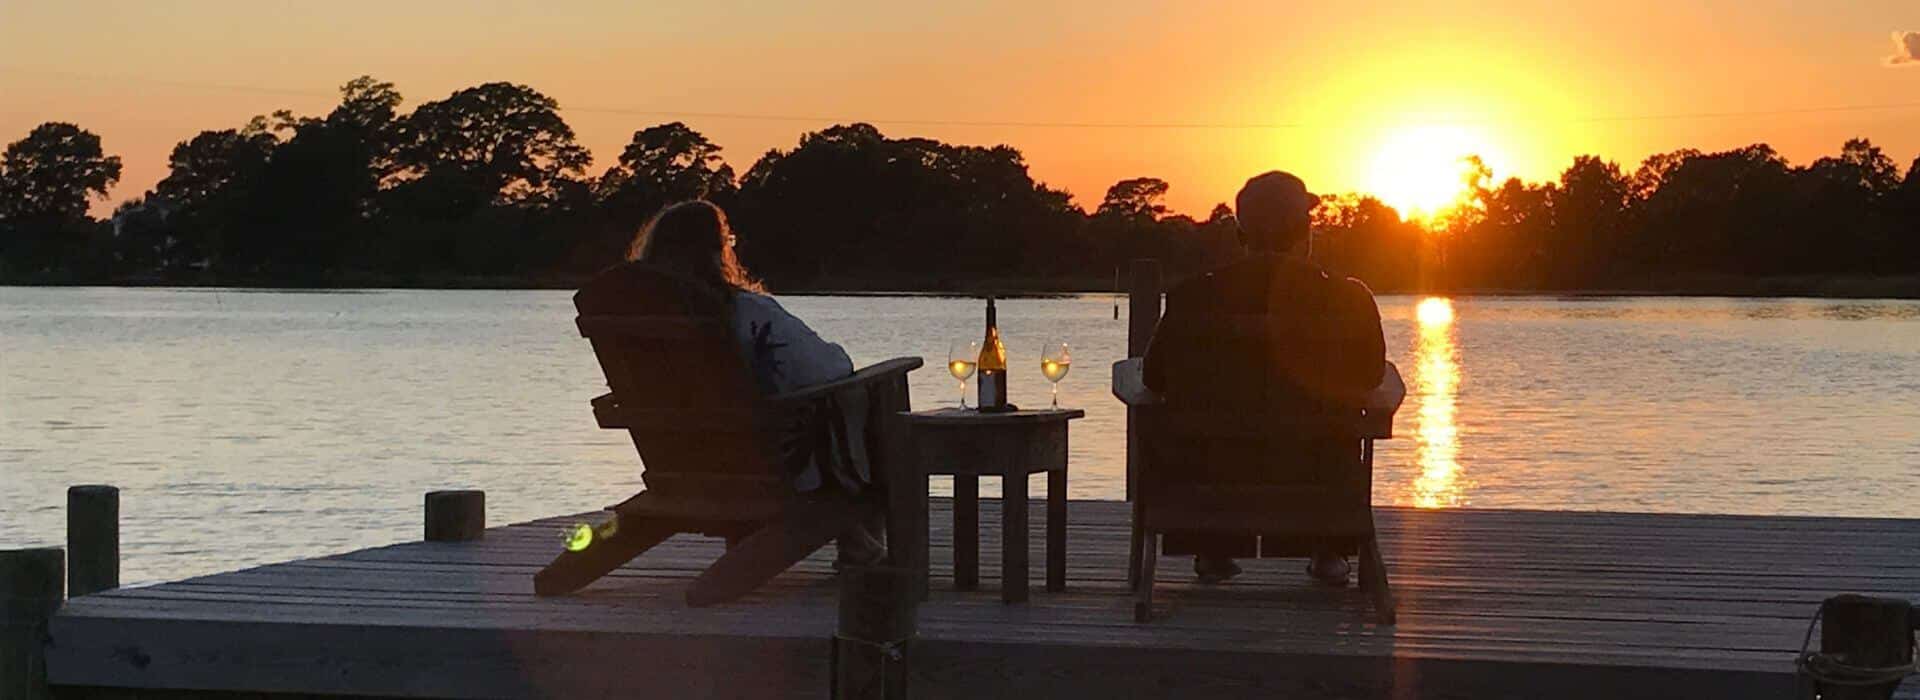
1324, 347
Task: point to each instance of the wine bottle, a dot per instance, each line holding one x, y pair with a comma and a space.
993, 366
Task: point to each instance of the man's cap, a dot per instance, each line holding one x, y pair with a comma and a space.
1275, 190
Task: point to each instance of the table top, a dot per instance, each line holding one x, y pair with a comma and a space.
958, 416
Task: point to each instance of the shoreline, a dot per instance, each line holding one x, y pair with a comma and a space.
1903, 287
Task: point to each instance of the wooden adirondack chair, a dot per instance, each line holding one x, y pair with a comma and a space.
1285, 517
720, 457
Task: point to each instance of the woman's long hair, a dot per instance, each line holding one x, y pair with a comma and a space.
693, 238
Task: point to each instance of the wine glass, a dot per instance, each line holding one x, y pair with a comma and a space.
1054, 363
962, 357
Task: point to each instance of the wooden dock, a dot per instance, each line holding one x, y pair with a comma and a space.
1520, 604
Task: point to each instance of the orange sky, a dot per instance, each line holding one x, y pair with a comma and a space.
1529, 85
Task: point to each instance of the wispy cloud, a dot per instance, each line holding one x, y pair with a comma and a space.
1906, 49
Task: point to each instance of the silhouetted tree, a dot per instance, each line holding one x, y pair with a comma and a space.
1590, 221
1360, 236
55, 171
210, 182
143, 237
662, 164
489, 181
1905, 208
1135, 198
848, 201
497, 142
47, 181
1656, 170
474, 172
308, 204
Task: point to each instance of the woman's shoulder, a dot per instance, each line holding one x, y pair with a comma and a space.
755, 301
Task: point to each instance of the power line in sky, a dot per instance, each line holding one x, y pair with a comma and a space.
989, 123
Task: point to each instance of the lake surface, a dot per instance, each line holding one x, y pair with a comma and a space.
246, 427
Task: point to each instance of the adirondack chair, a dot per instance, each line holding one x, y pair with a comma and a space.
719, 456
1322, 495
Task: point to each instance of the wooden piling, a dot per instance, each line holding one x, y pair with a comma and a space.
1143, 314
1866, 632
33, 583
93, 539
456, 516
873, 647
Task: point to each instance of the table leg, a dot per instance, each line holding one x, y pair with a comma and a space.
1057, 530
966, 532
1013, 546
923, 557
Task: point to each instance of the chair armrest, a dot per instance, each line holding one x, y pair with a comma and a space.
1130, 383
896, 368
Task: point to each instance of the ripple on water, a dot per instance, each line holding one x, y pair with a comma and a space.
255, 427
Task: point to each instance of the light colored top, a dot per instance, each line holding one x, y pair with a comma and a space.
784, 353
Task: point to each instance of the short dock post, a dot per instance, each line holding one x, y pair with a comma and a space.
873, 648
1862, 633
33, 583
93, 539
1143, 314
456, 516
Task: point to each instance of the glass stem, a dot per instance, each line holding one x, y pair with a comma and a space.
1056, 394
963, 393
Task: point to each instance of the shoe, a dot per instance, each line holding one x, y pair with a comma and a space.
1330, 571
1214, 569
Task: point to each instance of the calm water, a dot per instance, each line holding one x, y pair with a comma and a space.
247, 427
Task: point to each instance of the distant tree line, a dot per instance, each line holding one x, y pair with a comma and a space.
489, 183
1679, 218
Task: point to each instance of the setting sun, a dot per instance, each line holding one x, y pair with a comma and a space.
1421, 170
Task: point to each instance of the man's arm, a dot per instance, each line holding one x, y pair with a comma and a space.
1369, 342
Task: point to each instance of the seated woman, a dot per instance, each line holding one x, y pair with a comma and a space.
692, 240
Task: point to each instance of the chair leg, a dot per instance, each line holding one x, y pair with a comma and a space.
1373, 580
1133, 560
572, 571
772, 549
1149, 553
1133, 546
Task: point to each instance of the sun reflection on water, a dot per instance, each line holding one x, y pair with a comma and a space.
1436, 383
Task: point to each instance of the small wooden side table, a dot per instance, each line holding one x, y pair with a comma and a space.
969, 444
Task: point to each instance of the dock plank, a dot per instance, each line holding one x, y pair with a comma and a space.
1492, 604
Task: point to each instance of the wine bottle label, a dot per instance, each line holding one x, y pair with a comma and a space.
993, 390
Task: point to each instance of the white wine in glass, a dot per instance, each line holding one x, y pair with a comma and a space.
962, 357
1054, 364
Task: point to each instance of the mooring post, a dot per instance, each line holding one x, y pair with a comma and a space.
93, 539
1143, 314
873, 648
33, 583
1859, 633
456, 516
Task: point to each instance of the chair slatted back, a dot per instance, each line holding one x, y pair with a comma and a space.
684, 392
1243, 414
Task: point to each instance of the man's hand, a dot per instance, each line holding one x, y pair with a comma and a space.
1387, 396
1130, 385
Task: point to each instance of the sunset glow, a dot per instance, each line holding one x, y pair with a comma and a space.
1422, 170
1436, 384
1380, 97
1434, 312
